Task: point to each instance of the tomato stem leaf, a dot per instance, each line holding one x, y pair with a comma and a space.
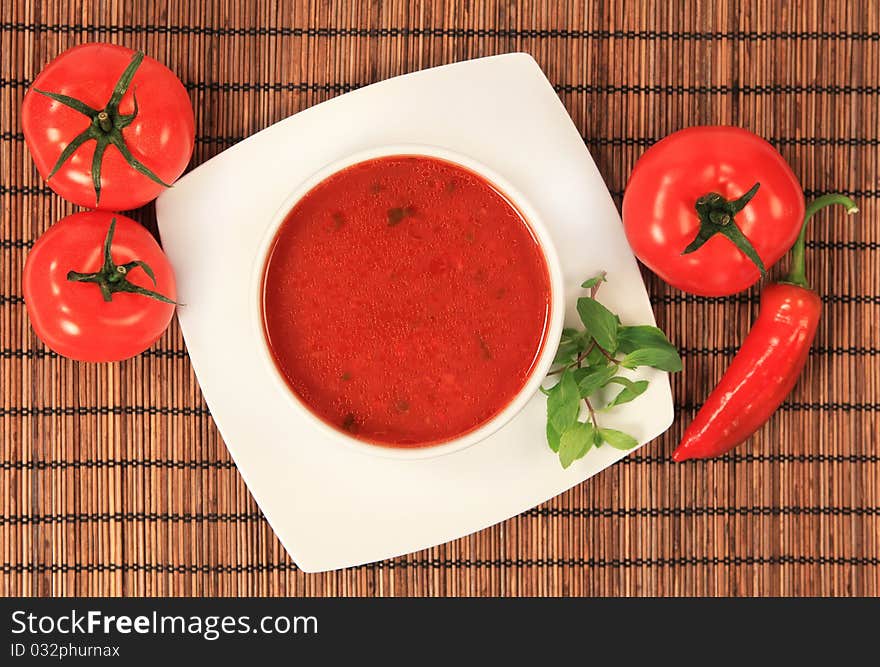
123, 121
97, 159
143, 265
125, 78
739, 239
739, 204
117, 140
131, 288
69, 150
68, 101
108, 247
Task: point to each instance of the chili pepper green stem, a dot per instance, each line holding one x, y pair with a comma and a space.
797, 274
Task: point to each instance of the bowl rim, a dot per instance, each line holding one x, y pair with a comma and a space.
552, 332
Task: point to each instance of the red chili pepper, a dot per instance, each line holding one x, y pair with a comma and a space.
769, 363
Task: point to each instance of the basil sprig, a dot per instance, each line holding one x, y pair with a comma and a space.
589, 360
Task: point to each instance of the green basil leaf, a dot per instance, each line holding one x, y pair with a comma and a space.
595, 281
580, 373
594, 379
570, 335
618, 439
630, 390
634, 338
571, 343
595, 357
565, 353
664, 358
552, 437
619, 379
575, 442
599, 322
563, 403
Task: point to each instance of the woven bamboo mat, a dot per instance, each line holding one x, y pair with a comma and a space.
114, 480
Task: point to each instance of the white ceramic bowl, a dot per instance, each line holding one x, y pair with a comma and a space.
551, 334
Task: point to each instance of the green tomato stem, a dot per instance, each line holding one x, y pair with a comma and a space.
113, 278
104, 121
717, 216
105, 129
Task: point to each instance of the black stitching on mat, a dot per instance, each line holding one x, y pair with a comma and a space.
825, 350
670, 299
617, 194
103, 410
103, 464
638, 89
678, 299
617, 142
15, 244
45, 353
25, 190
844, 245
239, 86
818, 350
812, 142
162, 568
441, 563
736, 458
174, 411
22, 244
809, 192
7, 353
529, 33
797, 406
210, 517
666, 512
584, 512
678, 89
860, 142
244, 86
629, 562
636, 459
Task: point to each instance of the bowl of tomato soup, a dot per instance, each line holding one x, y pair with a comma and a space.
408, 300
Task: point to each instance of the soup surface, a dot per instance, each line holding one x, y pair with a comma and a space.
405, 300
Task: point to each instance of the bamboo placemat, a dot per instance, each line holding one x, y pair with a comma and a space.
114, 480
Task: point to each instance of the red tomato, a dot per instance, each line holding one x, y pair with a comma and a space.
108, 127
66, 301
666, 209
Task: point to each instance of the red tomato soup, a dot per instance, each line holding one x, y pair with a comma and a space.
405, 300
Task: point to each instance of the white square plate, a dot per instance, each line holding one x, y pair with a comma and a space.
331, 506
